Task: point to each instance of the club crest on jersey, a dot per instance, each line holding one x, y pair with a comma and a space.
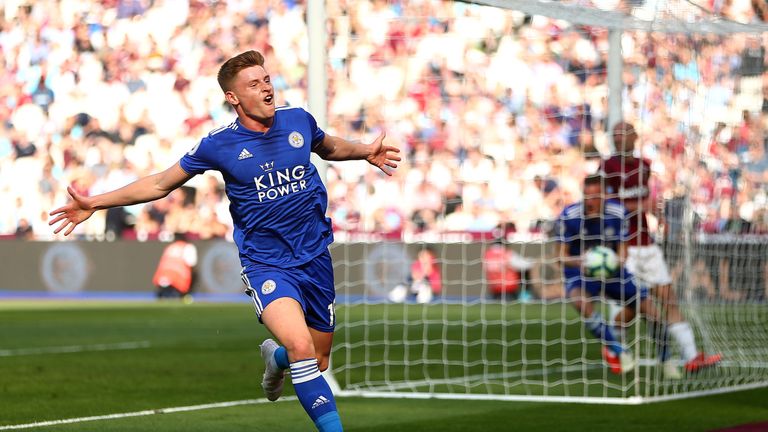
268, 286
295, 139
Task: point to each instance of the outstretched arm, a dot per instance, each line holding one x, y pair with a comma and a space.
376, 153
145, 189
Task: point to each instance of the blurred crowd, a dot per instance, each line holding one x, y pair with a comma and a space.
500, 115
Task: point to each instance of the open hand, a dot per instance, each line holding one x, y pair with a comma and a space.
71, 214
383, 156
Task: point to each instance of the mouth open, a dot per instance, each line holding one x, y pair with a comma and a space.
269, 99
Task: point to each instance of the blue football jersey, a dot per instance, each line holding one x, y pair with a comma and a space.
581, 233
277, 199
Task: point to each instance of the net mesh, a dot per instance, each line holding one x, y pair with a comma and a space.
502, 109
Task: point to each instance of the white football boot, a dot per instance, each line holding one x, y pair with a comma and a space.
627, 360
671, 369
274, 377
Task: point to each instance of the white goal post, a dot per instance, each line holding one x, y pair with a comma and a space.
464, 343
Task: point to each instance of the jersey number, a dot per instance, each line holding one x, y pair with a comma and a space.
332, 311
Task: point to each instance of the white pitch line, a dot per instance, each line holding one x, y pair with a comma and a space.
142, 413
74, 349
468, 378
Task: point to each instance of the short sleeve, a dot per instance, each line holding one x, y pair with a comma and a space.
624, 229
200, 158
317, 134
561, 229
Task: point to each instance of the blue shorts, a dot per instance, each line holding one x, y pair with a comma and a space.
310, 284
622, 288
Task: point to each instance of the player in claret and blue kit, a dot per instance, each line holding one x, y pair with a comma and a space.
581, 226
628, 181
278, 207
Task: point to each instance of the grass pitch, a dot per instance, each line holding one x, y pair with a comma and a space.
64, 360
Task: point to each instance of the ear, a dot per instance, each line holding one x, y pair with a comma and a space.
231, 98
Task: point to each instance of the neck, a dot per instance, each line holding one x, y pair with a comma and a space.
254, 123
627, 154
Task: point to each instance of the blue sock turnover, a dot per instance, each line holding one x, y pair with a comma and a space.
315, 395
281, 358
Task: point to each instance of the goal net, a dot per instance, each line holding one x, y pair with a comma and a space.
502, 108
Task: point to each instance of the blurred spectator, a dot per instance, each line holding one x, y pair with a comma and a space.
424, 281
42, 96
24, 230
501, 115
753, 58
504, 270
760, 7
174, 276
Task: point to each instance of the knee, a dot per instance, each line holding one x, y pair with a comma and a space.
664, 291
648, 309
300, 350
625, 315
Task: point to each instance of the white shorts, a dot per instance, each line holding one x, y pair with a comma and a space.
647, 264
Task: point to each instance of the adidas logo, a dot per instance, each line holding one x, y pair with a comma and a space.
245, 154
321, 400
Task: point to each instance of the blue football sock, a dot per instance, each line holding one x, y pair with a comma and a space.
281, 358
603, 332
315, 395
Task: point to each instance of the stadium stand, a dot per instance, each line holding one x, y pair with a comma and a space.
500, 115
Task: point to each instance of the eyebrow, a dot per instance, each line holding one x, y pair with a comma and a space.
266, 77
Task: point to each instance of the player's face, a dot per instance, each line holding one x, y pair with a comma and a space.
252, 94
624, 137
593, 200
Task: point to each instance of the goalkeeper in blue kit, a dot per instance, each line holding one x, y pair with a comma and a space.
581, 226
278, 207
